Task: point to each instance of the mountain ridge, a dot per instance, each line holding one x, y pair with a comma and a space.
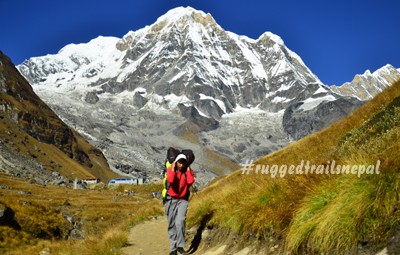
366, 86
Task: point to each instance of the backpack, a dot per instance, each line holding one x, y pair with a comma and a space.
172, 153
189, 156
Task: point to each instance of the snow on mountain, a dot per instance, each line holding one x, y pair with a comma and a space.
73, 64
368, 85
140, 94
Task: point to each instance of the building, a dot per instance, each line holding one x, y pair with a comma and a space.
131, 181
91, 180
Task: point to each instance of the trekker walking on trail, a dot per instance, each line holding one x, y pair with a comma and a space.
180, 177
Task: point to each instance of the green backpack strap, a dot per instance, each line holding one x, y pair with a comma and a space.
165, 182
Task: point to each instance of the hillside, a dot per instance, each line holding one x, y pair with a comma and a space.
38, 219
316, 213
34, 141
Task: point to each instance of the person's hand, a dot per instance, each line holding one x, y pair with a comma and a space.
173, 166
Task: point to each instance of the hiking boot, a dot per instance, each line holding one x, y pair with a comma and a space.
173, 253
181, 251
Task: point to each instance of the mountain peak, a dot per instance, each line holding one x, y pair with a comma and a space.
180, 20
186, 15
271, 36
179, 12
387, 69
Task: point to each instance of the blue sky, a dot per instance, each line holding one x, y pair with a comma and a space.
336, 39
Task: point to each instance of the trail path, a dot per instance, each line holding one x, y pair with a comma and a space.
148, 238
151, 238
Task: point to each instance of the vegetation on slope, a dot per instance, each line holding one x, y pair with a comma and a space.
44, 217
319, 212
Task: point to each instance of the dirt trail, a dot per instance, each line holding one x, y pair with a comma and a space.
148, 238
151, 238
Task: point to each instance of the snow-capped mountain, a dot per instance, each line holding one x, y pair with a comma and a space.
368, 85
183, 47
186, 82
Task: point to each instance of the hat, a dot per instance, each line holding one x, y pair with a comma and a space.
180, 156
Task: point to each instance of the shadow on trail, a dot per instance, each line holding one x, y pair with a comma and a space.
197, 238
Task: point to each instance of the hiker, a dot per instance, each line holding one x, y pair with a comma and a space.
180, 177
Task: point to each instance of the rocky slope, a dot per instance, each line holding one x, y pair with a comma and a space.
368, 85
34, 142
185, 82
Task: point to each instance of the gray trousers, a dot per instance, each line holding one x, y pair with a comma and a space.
176, 214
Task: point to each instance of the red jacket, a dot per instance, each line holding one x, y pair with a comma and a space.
179, 182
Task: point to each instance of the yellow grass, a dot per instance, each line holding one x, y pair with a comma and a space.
104, 215
322, 213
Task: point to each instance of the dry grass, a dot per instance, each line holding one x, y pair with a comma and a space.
316, 214
52, 158
105, 216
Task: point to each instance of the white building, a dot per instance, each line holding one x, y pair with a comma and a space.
132, 181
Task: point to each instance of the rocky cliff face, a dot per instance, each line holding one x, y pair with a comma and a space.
134, 97
300, 120
27, 121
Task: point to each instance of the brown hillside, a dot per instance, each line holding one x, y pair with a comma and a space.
30, 127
